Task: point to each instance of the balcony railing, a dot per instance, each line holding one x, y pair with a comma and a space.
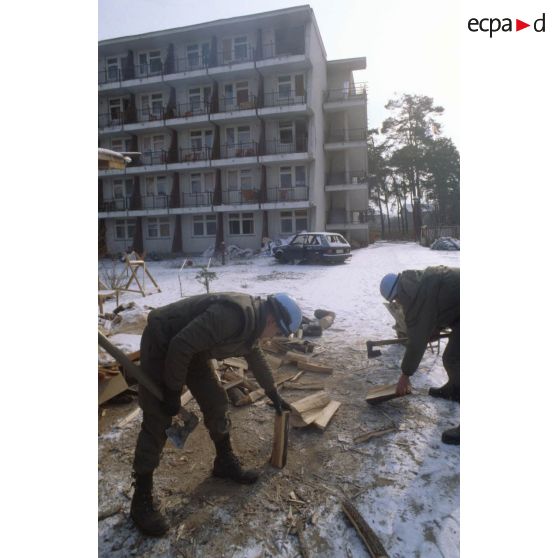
192, 154
184, 110
236, 55
159, 201
277, 147
197, 199
229, 104
355, 91
234, 197
295, 193
243, 149
342, 177
191, 63
281, 98
273, 50
108, 120
150, 114
115, 204
351, 134
148, 158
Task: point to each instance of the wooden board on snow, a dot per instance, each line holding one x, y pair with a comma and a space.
307, 409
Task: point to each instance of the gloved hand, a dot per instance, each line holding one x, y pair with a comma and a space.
279, 403
171, 402
403, 385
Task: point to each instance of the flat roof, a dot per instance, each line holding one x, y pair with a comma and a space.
358, 63
214, 23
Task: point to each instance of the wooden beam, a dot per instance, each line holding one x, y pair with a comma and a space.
372, 542
326, 415
280, 440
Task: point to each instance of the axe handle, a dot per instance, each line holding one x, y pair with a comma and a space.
133, 369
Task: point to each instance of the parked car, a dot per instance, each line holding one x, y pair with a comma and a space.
314, 247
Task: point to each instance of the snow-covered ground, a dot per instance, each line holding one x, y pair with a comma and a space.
406, 484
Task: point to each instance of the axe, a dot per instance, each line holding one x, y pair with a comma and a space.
372, 353
177, 432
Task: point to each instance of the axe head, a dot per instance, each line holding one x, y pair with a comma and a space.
370, 350
182, 427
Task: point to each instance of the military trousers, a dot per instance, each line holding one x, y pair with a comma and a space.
204, 385
450, 358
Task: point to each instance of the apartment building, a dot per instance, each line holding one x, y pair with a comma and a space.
245, 131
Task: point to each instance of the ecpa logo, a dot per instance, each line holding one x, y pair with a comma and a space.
493, 25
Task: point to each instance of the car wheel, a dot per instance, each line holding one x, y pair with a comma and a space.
281, 258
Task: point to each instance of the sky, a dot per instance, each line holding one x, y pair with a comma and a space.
410, 47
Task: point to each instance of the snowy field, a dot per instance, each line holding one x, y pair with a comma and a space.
406, 484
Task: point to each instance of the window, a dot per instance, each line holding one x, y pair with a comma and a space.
113, 69
196, 183
125, 229
286, 134
243, 134
151, 106
156, 185
196, 139
116, 109
120, 144
241, 223
286, 176
242, 95
240, 48
205, 225
294, 221
154, 143
158, 227
198, 98
284, 87
150, 62
123, 189
242, 178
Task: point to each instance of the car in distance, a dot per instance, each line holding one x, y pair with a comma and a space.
314, 247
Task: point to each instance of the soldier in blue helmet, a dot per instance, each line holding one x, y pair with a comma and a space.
430, 302
176, 346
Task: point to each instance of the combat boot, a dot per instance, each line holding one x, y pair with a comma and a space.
144, 511
451, 436
447, 391
227, 464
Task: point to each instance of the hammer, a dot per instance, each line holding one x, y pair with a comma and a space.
177, 433
401, 340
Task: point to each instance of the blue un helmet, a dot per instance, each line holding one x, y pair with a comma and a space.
286, 311
388, 286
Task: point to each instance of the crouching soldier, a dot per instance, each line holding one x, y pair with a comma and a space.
430, 302
176, 346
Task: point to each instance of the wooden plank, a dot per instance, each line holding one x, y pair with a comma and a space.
308, 386
372, 542
280, 440
326, 415
110, 387
259, 393
292, 356
379, 394
236, 362
372, 434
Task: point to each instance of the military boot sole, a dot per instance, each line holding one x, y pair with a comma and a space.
151, 531
450, 437
444, 393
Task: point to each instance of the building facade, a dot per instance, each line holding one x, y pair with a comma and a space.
245, 131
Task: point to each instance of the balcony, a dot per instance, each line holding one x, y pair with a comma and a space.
282, 99
159, 201
277, 147
341, 219
346, 180
186, 110
276, 50
197, 199
115, 204
150, 158
232, 104
287, 194
237, 150
236, 197
345, 98
347, 138
236, 55
193, 154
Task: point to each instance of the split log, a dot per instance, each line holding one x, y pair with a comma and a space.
280, 440
315, 367
381, 393
373, 434
235, 395
309, 386
231, 376
373, 543
236, 362
326, 415
253, 396
307, 409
